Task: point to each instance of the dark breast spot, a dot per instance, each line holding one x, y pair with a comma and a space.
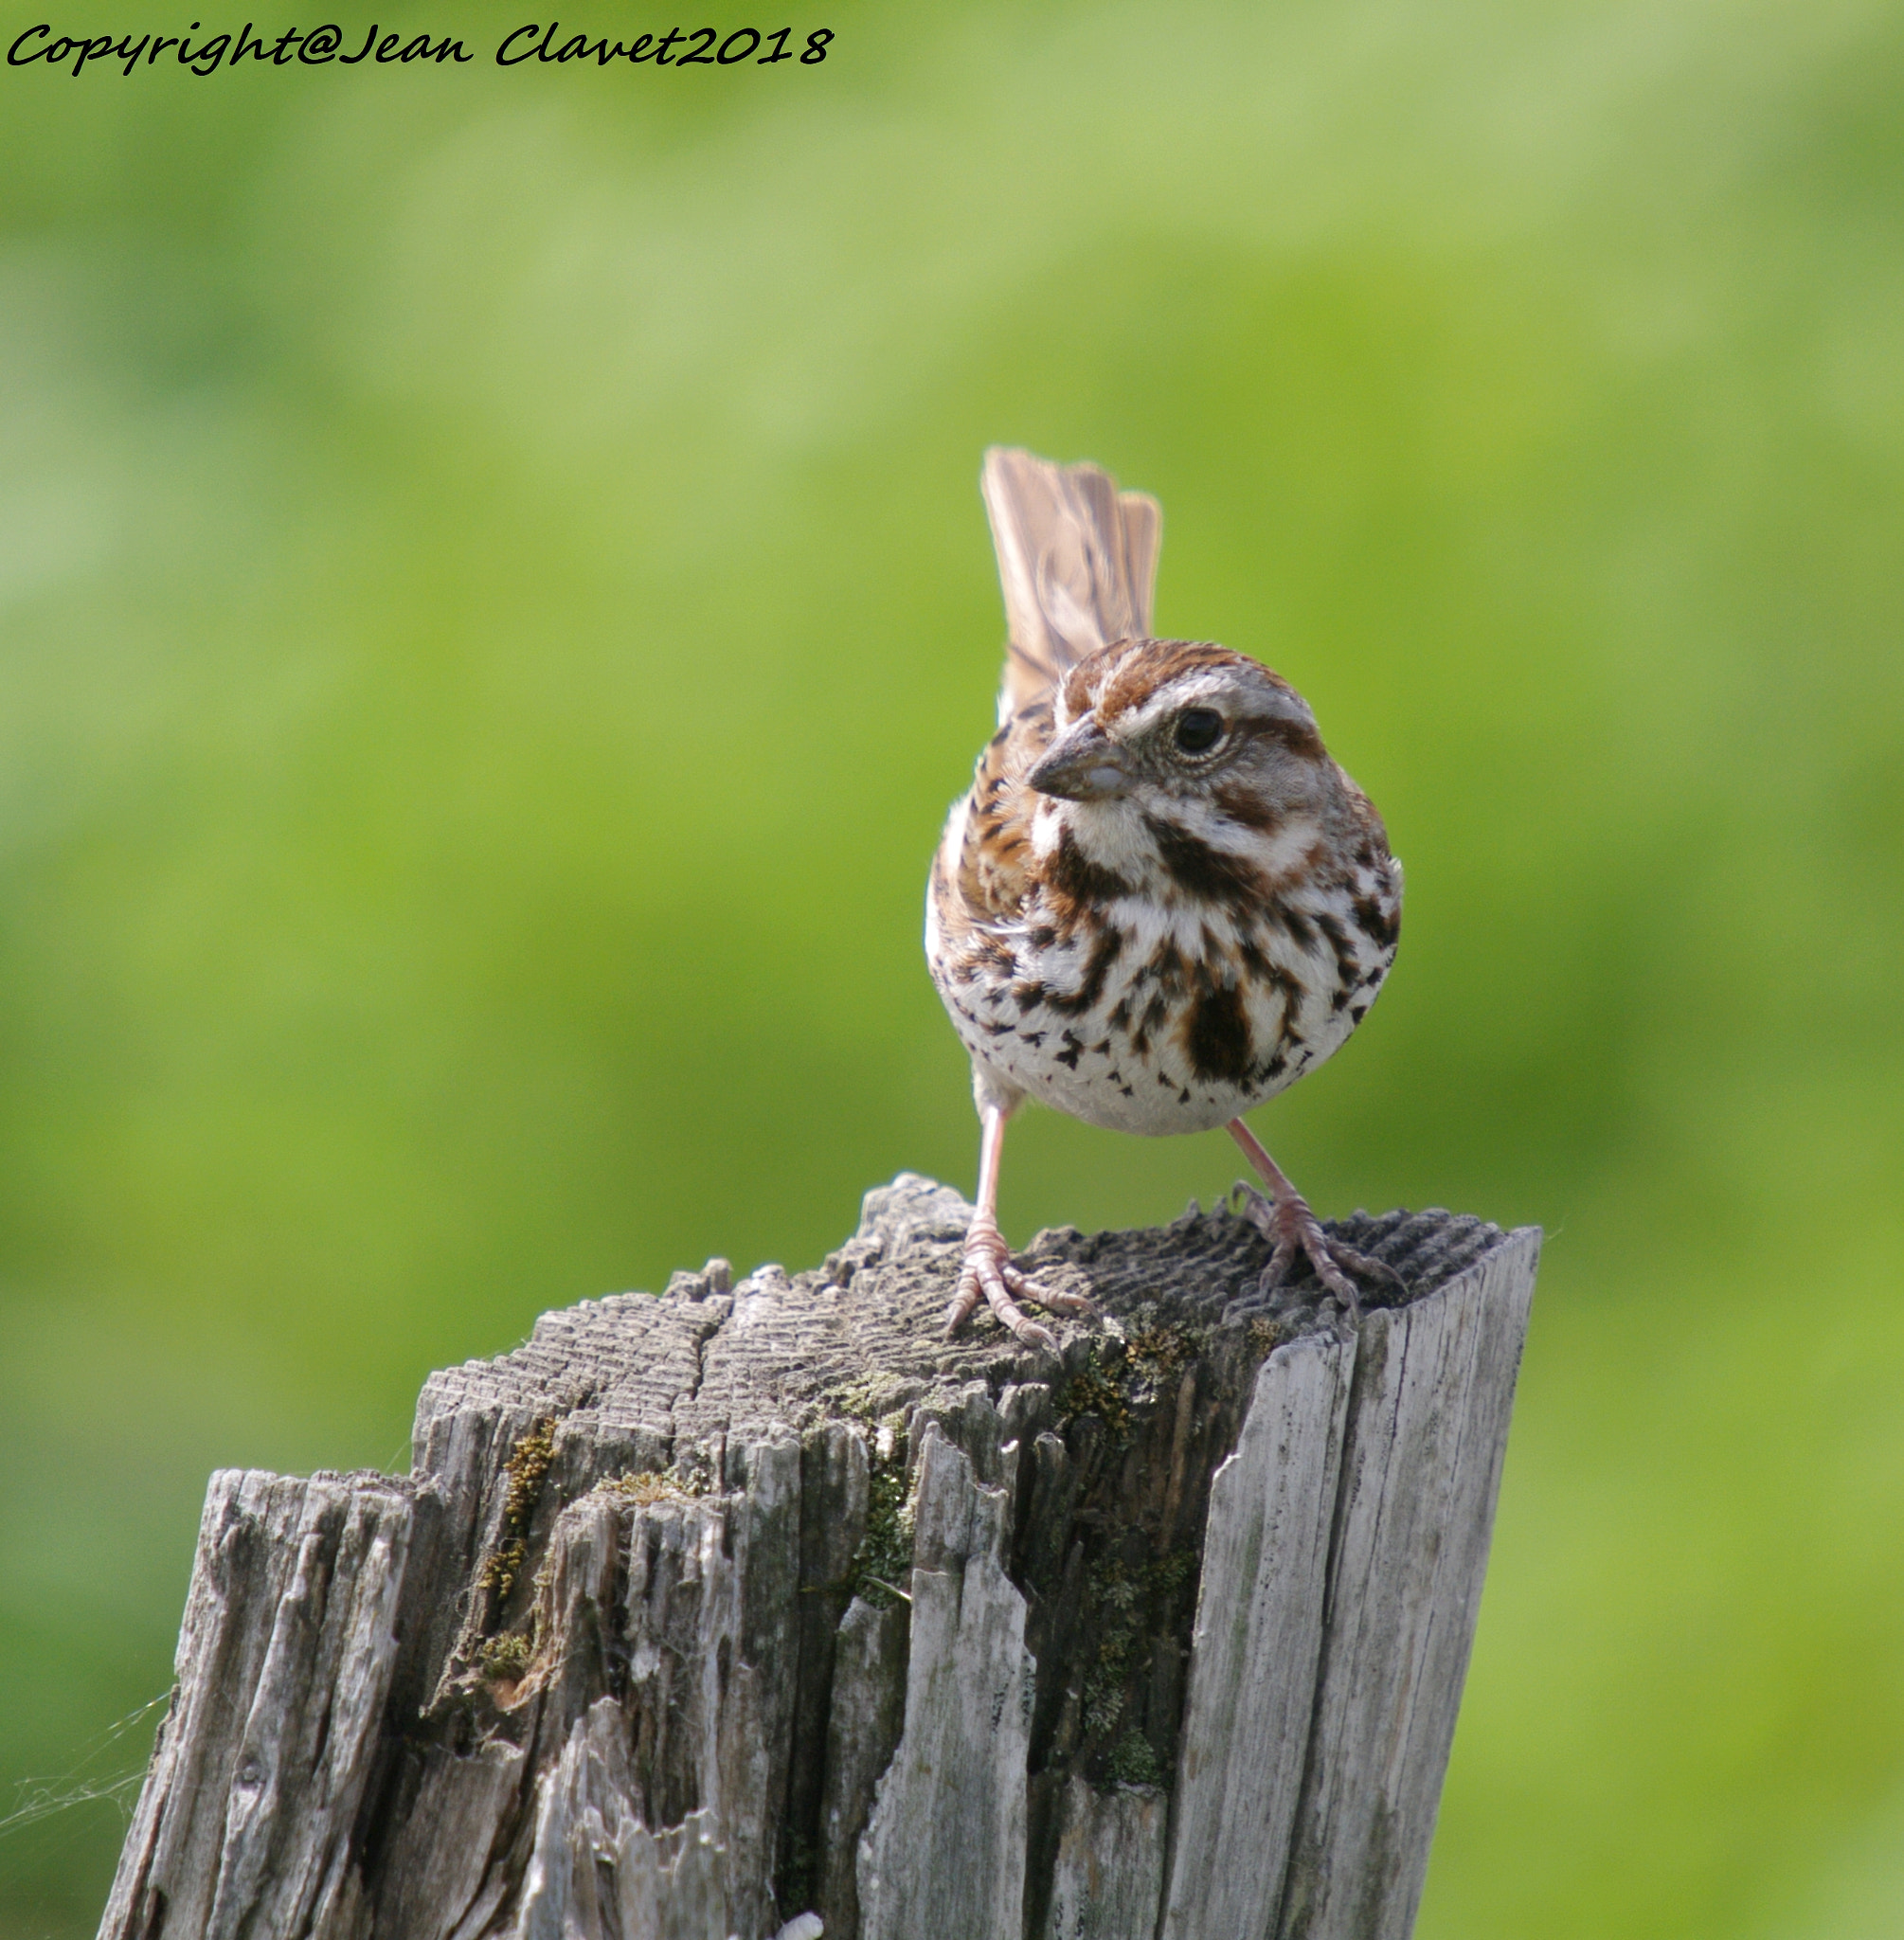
1200, 872
1347, 967
1289, 986
1216, 1035
1072, 873
1156, 1015
1106, 948
1166, 967
1376, 923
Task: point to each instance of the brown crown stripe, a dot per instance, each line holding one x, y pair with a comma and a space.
1139, 671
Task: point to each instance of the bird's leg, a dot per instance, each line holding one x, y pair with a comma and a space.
988, 1273
1283, 1214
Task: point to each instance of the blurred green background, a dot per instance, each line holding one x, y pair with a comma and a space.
495, 603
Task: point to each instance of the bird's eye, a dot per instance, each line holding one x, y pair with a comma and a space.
1199, 729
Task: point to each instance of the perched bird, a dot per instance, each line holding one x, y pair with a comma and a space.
1162, 902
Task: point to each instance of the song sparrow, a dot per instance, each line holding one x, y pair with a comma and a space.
1162, 902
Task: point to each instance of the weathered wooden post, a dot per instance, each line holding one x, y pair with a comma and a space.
702, 1612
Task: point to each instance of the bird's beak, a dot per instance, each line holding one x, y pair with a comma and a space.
1083, 765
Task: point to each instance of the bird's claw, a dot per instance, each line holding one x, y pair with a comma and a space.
989, 1275
1296, 1230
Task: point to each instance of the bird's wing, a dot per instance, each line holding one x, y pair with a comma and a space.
1077, 560
991, 866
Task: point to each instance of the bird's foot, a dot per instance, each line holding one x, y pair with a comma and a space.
1296, 1230
989, 1275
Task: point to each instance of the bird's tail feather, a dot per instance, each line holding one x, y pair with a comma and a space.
1077, 560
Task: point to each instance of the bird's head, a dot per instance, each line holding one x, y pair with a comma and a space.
1176, 730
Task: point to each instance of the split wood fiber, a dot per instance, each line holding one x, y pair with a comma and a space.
702, 1613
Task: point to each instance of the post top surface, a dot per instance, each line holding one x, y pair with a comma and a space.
861, 1334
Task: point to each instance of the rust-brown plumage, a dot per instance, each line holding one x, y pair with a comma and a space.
1162, 902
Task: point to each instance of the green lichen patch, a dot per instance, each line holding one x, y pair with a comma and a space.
1133, 1762
1129, 1367
642, 1491
884, 1559
1158, 1349
506, 1659
527, 1469
1096, 1389
874, 1401
1128, 1607
503, 1566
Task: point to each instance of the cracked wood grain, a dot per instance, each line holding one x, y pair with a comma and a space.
718, 1613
